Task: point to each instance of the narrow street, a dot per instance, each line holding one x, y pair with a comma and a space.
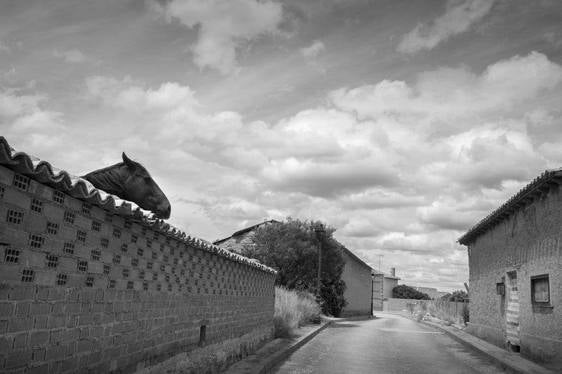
387, 344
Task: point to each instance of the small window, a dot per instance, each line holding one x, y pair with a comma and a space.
36, 205
82, 265
52, 261
155, 236
68, 248
11, 255
1, 192
124, 247
62, 279
14, 216
149, 243
35, 241
130, 285
58, 197
116, 259
81, 236
154, 255
145, 286
158, 287
27, 275
125, 273
106, 269
540, 289
143, 231
86, 209
111, 283
89, 281
154, 276
52, 228
141, 274
149, 265
140, 251
108, 217
96, 254
21, 182
128, 224
69, 217
135, 262
104, 242
96, 226
116, 233
134, 238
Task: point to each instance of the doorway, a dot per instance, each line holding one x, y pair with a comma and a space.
512, 315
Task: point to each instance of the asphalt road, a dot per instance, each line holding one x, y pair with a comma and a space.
388, 344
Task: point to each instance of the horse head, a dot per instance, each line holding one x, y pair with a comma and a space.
143, 190
131, 181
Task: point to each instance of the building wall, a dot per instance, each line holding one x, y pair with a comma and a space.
358, 292
388, 284
83, 289
378, 280
528, 242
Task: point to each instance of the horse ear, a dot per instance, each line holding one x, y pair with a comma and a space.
130, 163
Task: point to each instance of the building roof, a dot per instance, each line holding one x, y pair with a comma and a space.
530, 192
355, 257
246, 230
81, 189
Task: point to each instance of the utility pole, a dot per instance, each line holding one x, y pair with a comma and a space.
319, 230
380, 258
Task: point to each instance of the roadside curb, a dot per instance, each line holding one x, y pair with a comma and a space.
278, 357
512, 362
265, 362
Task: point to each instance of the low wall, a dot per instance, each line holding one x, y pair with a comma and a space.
82, 288
445, 310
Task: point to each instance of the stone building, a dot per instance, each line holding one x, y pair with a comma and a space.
356, 273
515, 272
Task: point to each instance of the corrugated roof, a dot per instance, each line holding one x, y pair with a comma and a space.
537, 187
81, 189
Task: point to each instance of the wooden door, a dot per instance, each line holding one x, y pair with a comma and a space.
512, 315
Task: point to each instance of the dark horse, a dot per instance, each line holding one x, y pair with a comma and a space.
130, 181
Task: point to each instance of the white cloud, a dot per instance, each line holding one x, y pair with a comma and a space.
313, 50
459, 16
222, 26
73, 56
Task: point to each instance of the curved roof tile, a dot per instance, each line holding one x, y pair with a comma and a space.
537, 186
81, 189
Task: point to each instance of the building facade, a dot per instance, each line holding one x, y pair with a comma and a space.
516, 274
357, 274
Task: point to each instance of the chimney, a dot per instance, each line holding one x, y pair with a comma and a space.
392, 272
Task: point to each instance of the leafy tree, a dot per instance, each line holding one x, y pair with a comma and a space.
458, 295
291, 247
405, 292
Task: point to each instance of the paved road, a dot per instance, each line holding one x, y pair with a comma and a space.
389, 344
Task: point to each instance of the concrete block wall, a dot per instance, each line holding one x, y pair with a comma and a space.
83, 289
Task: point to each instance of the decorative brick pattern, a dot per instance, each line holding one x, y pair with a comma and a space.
64, 290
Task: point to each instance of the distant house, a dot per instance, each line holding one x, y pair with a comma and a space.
382, 287
356, 273
515, 265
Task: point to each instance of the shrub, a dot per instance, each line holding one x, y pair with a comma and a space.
292, 310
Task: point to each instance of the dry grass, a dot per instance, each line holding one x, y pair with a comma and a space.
292, 310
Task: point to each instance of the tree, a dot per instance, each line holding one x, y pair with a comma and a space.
291, 247
405, 292
458, 295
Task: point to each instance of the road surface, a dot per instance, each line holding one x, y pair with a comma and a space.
388, 344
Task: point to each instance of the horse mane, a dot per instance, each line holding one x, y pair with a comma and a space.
107, 179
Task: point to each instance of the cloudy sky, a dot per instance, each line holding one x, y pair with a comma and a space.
400, 123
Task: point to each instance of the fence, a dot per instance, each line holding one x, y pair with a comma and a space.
85, 288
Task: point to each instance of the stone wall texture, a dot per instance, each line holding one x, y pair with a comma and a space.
82, 289
528, 242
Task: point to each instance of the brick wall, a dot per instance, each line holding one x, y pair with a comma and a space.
527, 242
81, 288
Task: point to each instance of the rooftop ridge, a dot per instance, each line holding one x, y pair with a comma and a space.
81, 189
530, 191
